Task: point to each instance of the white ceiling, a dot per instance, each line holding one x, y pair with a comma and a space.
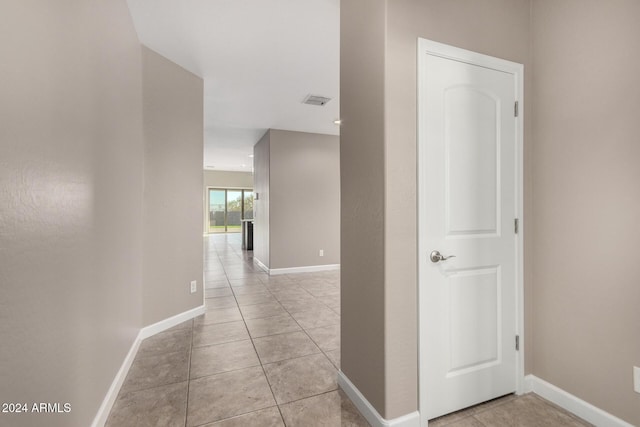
259, 59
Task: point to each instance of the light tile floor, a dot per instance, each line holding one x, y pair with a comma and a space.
528, 410
266, 353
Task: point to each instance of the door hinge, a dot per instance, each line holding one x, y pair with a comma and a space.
515, 109
517, 342
516, 225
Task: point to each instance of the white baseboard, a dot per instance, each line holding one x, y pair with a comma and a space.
306, 269
261, 264
170, 322
573, 404
293, 270
110, 398
369, 412
112, 393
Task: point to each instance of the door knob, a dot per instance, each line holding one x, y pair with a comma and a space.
436, 256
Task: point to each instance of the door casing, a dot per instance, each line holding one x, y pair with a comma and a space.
426, 47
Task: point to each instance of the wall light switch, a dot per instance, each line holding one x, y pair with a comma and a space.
636, 379
321, 252
194, 286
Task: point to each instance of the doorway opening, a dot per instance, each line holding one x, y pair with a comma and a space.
227, 208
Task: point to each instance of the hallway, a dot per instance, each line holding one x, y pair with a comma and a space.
265, 353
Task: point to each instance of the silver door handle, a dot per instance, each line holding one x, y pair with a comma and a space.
436, 256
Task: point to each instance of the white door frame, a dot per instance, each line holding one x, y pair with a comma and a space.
445, 51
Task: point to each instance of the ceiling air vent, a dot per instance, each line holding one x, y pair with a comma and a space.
316, 100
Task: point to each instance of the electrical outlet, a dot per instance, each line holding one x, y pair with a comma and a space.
636, 379
321, 252
194, 286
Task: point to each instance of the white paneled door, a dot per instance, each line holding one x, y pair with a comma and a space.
469, 202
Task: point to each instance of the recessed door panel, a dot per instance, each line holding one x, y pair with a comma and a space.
472, 139
474, 322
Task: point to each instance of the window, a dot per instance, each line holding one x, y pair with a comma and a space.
227, 209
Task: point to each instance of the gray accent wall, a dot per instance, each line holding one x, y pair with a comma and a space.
73, 155
297, 175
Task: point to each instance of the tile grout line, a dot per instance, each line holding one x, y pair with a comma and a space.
312, 340
221, 323
311, 397
261, 281
305, 331
152, 387
264, 372
186, 412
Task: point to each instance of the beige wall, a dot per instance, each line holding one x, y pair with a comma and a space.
362, 40
498, 28
71, 182
581, 290
223, 179
495, 27
228, 179
261, 165
72, 199
304, 199
586, 295
297, 176
173, 132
